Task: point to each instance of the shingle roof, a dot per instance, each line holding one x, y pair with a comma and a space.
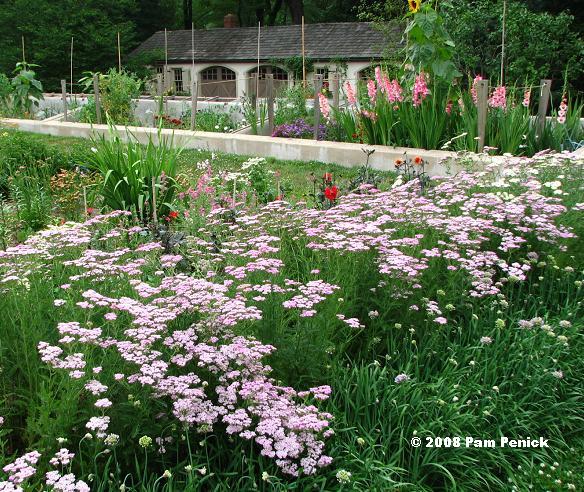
344, 40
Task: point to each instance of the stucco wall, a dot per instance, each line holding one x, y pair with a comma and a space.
242, 73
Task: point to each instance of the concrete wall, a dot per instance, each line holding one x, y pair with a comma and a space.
345, 154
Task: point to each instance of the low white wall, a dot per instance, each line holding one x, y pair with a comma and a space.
345, 154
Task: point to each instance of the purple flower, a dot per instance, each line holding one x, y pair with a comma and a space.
401, 378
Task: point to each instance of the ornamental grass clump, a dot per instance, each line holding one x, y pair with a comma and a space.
136, 177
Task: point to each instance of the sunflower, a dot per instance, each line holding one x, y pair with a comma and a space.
414, 5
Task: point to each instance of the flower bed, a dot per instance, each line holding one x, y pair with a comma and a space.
288, 346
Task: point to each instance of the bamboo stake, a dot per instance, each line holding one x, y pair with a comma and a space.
23, 53
85, 200
258, 78
303, 58
165, 59
503, 43
71, 83
119, 53
194, 85
154, 211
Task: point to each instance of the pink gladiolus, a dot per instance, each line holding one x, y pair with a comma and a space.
473, 89
449, 107
393, 91
372, 91
420, 90
526, 98
351, 99
378, 77
499, 98
324, 106
563, 111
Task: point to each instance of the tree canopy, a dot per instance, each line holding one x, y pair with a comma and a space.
538, 44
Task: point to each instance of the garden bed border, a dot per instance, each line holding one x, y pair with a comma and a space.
342, 153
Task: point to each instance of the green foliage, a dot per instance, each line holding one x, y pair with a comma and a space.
210, 120
117, 92
294, 65
291, 104
429, 47
142, 64
21, 154
47, 27
134, 177
28, 91
538, 45
5, 95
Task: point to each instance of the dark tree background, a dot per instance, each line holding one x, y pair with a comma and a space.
48, 25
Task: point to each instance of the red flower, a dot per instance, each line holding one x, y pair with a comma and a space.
172, 216
418, 160
331, 193
327, 177
279, 197
90, 211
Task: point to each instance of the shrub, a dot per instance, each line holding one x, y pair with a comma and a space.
117, 92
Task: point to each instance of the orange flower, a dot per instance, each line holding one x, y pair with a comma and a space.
418, 160
414, 5
398, 162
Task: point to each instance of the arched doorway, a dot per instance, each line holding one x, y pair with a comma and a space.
218, 82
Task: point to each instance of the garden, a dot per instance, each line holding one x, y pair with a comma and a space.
178, 319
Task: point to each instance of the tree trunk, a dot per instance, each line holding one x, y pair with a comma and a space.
274, 12
188, 13
296, 8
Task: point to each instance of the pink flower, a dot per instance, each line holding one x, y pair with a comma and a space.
378, 77
563, 111
420, 90
526, 98
448, 108
351, 99
473, 89
324, 106
372, 91
499, 98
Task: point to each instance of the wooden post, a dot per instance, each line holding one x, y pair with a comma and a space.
97, 99
335, 87
258, 68
194, 100
482, 108
270, 98
71, 79
253, 91
119, 53
303, 58
544, 99
154, 207
317, 89
159, 92
64, 97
